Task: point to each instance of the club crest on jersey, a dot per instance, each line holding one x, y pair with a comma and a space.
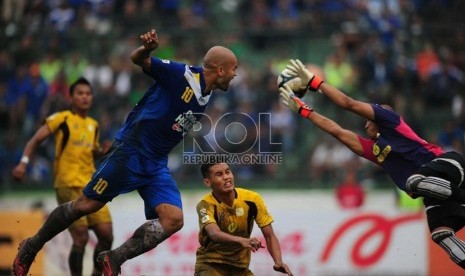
232, 227
205, 219
381, 154
184, 122
203, 212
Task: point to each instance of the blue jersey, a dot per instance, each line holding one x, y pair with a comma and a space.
167, 111
397, 149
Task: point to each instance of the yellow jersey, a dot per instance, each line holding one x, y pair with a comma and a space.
237, 220
75, 137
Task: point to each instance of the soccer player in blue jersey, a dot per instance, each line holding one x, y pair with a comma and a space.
417, 167
138, 158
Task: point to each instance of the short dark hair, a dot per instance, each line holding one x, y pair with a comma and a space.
205, 169
81, 80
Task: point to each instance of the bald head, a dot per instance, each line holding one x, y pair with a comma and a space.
218, 56
388, 107
219, 68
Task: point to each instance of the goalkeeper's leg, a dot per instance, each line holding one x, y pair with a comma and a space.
454, 246
441, 178
445, 218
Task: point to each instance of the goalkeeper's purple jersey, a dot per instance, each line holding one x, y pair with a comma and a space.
167, 110
398, 150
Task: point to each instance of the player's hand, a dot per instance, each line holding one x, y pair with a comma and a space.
102, 150
19, 172
106, 146
254, 244
294, 103
310, 80
296, 83
283, 268
150, 40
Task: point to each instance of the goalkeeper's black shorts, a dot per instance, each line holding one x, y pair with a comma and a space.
449, 212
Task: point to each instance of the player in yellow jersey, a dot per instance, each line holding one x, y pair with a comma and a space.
77, 144
226, 218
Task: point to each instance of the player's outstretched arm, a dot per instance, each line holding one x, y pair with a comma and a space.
216, 235
141, 55
272, 243
315, 83
347, 137
342, 100
41, 134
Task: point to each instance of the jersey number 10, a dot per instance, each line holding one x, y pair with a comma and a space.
100, 186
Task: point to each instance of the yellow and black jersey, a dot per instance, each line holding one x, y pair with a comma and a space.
236, 220
75, 137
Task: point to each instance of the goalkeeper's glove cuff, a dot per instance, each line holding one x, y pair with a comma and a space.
315, 83
305, 111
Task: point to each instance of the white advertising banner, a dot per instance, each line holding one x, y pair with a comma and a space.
316, 238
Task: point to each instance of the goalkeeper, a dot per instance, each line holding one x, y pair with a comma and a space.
417, 167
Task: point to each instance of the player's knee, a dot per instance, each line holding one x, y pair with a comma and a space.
80, 236
451, 244
172, 221
173, 224
413, 181
429, 186
179, 224
84, 205
68, 212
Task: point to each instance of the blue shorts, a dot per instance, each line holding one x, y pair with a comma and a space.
124, 169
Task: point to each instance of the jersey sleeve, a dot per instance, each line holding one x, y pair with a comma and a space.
367, 146
165, 71
205, 212
263, 218
54, 121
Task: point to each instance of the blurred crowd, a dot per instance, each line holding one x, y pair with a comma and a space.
407, 53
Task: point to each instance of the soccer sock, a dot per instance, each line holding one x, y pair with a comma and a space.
454, 247
100, 247
75, 259
145, 238
60, 219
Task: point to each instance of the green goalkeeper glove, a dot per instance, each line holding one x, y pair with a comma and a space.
294, 103
310, 80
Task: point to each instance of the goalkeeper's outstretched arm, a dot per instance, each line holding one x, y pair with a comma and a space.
344, 101
347, 137
314, 83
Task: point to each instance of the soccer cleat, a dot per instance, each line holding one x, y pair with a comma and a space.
109, 265
23, 259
